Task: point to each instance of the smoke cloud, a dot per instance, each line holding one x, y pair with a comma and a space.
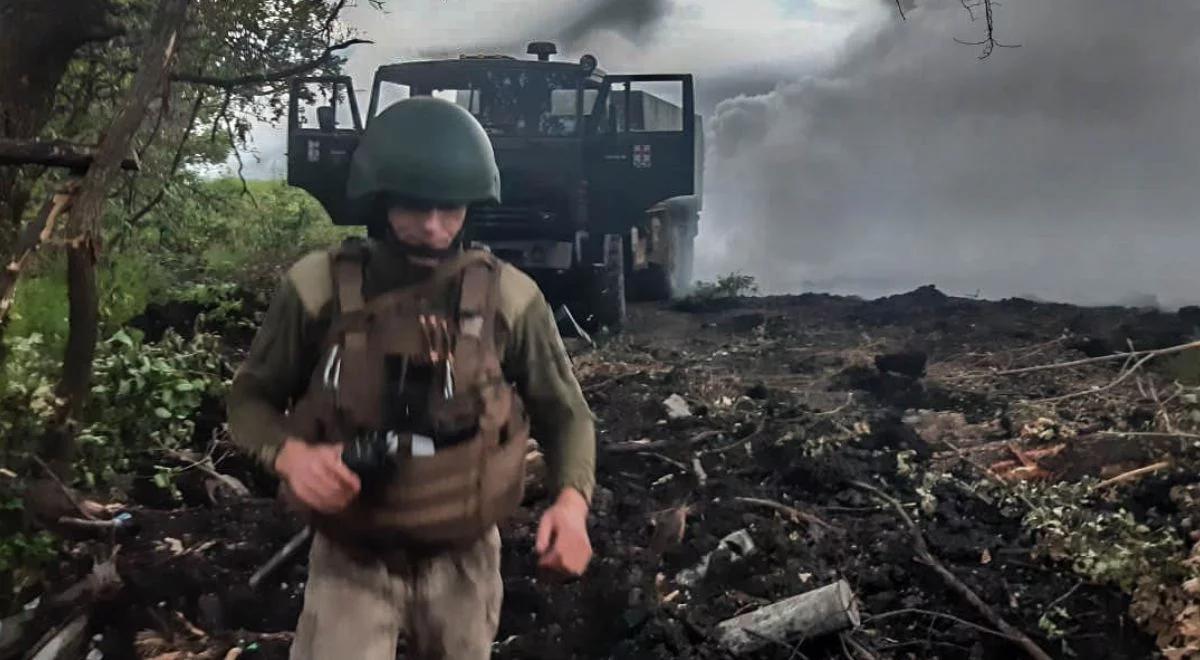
631, 18
1063, 169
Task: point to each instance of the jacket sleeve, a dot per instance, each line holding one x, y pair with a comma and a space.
276, 372
537, 362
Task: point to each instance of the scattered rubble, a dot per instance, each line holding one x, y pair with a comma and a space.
730, 440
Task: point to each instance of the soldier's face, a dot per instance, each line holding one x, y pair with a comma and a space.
433, 227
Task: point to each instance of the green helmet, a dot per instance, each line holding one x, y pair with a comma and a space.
423, 148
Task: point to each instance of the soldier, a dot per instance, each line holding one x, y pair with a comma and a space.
432, 363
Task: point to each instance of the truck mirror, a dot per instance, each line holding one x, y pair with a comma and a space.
325, 119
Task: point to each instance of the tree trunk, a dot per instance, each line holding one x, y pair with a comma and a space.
37, 41
83, 229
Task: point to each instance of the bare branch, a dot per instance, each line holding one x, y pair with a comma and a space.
162, 192
922, 551
270, 76
989, 42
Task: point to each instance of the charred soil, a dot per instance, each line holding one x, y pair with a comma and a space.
790, 400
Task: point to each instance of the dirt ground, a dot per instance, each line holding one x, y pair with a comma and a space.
789, 402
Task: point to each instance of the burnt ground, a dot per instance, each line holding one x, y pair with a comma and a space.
792, 398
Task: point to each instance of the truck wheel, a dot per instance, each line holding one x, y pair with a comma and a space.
607, 290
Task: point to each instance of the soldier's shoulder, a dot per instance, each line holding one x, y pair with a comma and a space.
312, 278
517, 291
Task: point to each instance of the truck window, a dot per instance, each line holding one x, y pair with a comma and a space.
314, 95
508, 101
390, 92
645, 107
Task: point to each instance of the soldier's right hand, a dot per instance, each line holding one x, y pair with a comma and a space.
316, 475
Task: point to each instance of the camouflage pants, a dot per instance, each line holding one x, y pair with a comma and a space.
446, 606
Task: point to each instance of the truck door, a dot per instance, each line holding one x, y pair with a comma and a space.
318, 153
640, 148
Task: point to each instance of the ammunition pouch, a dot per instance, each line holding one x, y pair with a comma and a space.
444, 476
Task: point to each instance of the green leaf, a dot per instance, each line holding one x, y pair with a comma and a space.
162, 413
122, 338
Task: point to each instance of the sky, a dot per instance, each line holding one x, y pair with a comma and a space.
853, 151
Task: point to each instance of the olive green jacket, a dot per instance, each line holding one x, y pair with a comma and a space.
285, 351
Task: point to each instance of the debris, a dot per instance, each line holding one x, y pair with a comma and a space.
677, 407
922, 550
1134, 474
285, 553
792, 512
669, 528
697, 468
909, 363
123, 522
739, 545
66, 642
566, 321
830, 609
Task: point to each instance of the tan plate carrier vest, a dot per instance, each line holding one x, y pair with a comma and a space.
458, 493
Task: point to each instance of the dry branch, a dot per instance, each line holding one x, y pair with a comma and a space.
1125, 374
1134, 474
792, 512
32, 236
1103, 358
921, 548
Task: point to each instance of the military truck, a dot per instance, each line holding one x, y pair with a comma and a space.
601, 173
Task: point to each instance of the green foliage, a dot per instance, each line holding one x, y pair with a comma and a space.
40, 308
219, 234
26, 393
1105, 546
23, 558
732, 285
145, 396
127, 284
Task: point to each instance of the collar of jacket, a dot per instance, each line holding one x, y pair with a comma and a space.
390, 266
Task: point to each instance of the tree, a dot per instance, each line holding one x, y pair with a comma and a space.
131, 85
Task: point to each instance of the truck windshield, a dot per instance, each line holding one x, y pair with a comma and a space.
508, 101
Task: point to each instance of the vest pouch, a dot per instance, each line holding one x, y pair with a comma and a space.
455, 420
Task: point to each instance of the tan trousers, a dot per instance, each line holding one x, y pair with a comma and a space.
447, 606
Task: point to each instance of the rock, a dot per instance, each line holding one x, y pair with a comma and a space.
602, 500
677, 407
908, 363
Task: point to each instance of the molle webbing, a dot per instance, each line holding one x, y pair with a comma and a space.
463, 489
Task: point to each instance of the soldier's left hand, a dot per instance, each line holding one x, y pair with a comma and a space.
563, 546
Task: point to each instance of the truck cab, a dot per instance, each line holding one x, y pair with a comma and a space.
600, 175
